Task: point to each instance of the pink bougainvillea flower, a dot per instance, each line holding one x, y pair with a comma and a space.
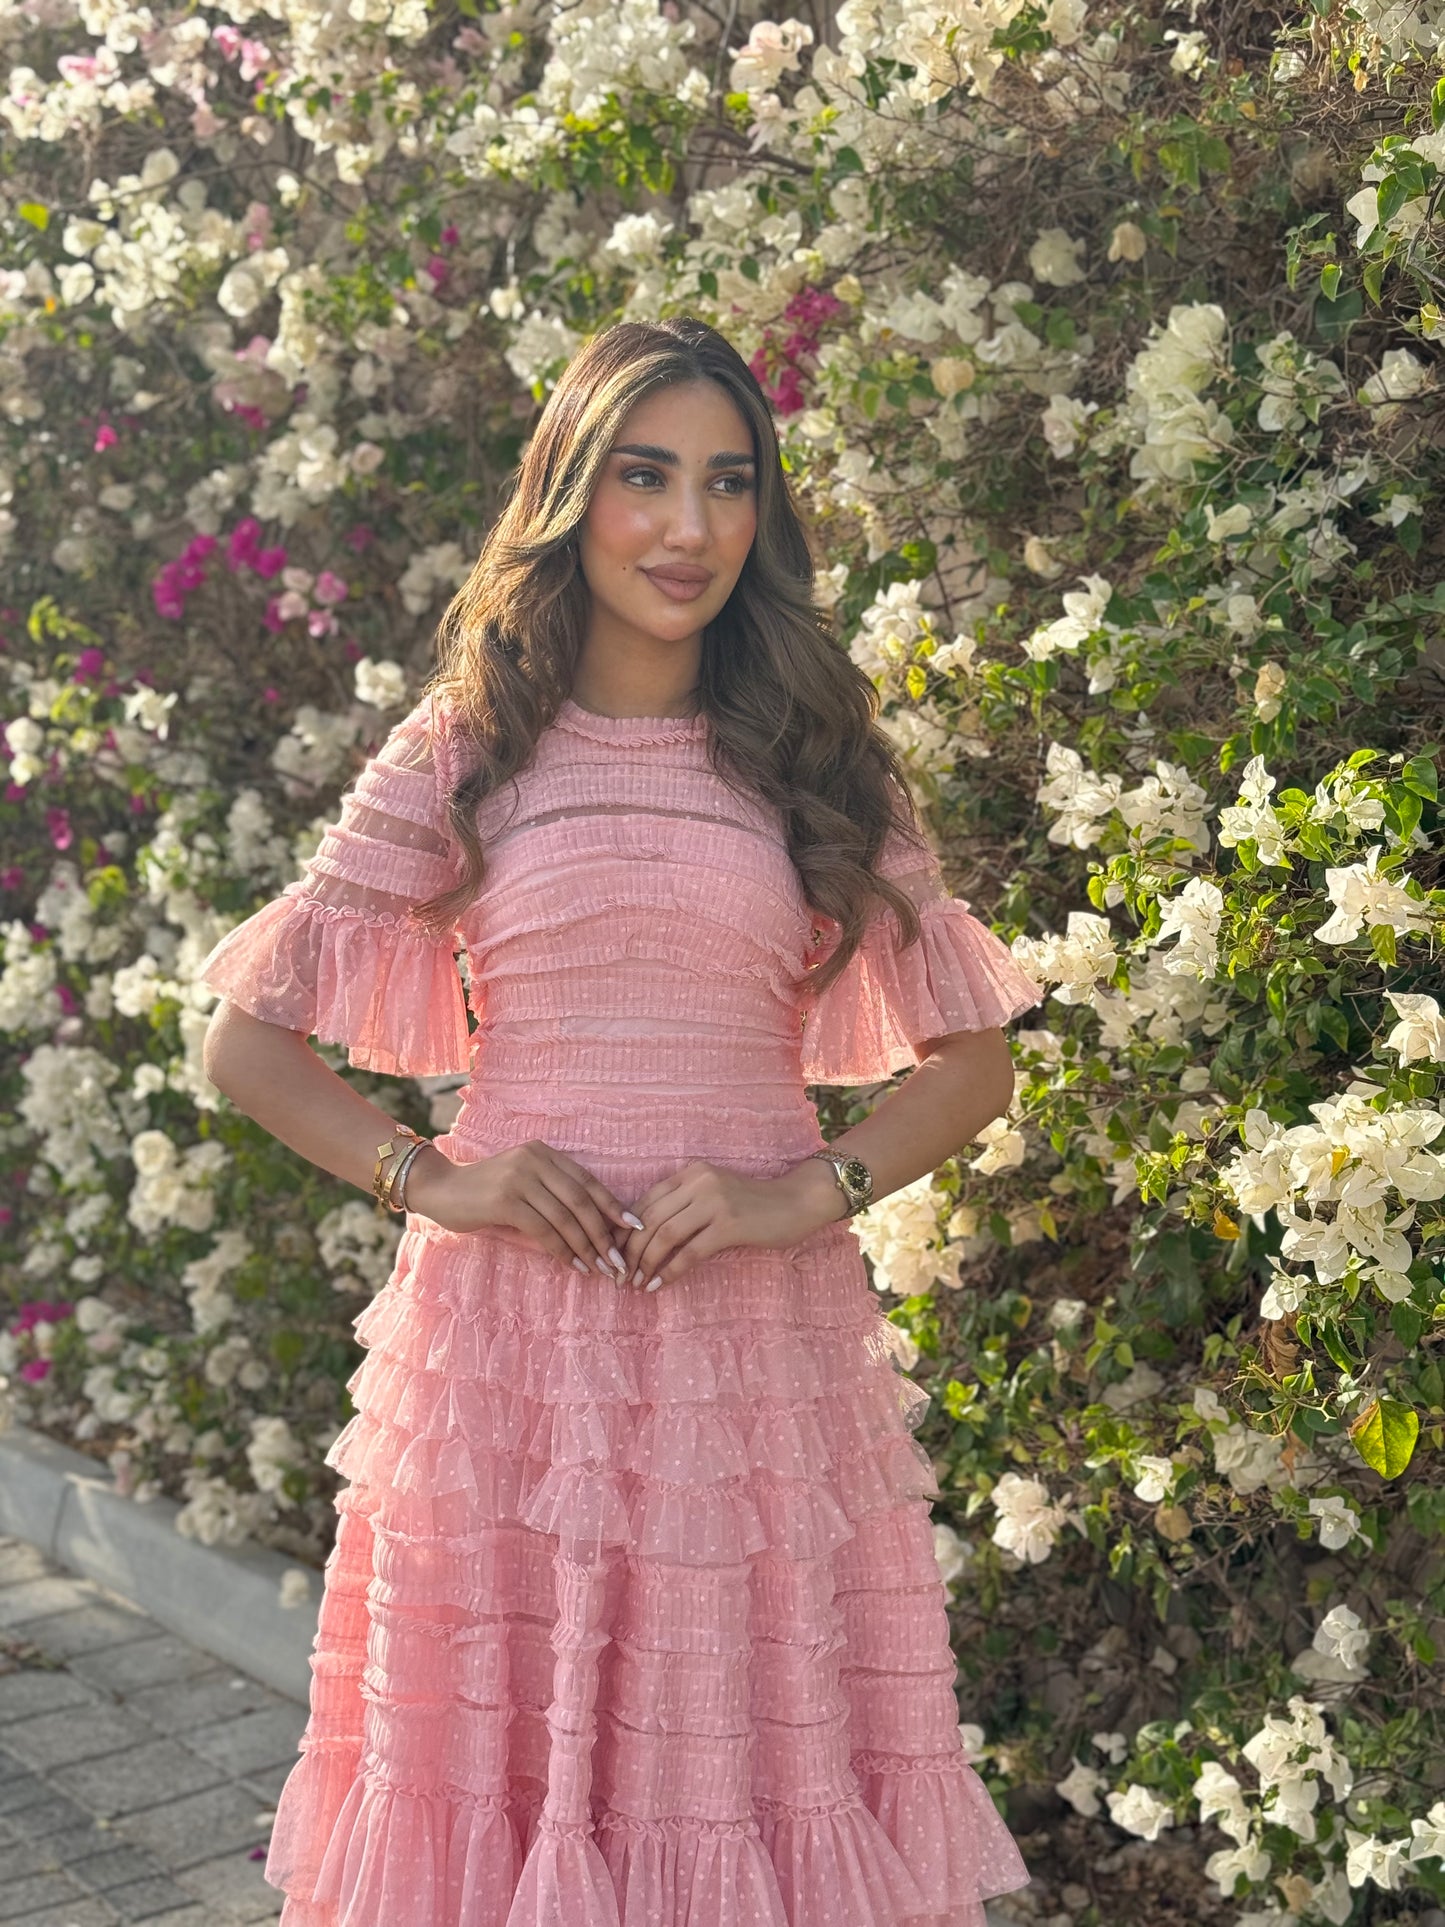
244, 540
269, 562
15, 792
228, 39
105, 437
12, 878
439, 270
35, 1369
138, 805
34, 1309
69, 1002
88, 665
321, 622
450, 236
270, 694
330, 589
272, 617
256, 349
57, 821
7, 1216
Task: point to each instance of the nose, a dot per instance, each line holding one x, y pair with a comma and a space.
688, 525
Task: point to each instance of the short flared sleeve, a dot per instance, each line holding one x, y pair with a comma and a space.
890, 1001
339, 954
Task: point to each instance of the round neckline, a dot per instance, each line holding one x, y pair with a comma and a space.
590, 722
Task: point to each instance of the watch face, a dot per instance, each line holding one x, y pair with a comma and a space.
856, 1174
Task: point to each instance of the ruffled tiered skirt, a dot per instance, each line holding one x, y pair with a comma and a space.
633, 1617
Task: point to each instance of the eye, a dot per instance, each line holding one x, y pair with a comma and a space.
628, 473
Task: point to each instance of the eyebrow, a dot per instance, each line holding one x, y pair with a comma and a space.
668, 457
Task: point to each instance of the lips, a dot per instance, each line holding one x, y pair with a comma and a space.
684, 577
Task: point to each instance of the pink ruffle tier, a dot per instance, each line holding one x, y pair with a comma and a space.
372, 981
957, 976
609, 1604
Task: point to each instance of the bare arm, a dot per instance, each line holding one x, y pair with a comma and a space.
274, 1076
963, 1083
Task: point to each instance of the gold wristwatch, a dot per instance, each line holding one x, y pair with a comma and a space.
853, 1176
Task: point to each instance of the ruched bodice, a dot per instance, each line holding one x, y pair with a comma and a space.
633, 1618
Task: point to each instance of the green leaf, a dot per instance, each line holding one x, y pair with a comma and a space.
1408, 1324
1384, 1436
1419, 775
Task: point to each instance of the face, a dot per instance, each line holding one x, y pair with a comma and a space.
671, 519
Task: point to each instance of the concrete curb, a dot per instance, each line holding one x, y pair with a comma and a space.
223, 1599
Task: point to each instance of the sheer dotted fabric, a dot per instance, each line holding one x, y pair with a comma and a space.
633, 1617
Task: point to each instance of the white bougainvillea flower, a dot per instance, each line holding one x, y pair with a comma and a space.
1369, 1858
1194, 916
1156, 1475
1429, 1840
1340, 1635
1420, 1034
1029, 1521
1221, 1799
1081, 1787
1363, 899
1339, 1523
1137, 1810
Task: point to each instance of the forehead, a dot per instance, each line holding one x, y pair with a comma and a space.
697, 418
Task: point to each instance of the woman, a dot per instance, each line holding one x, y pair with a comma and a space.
633, 1617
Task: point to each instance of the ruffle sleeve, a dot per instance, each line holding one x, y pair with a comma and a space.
890, 1001
338, 954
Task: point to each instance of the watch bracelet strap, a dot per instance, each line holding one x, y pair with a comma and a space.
835, 1158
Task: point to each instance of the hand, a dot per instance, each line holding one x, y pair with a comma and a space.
702, 1208
530, 1188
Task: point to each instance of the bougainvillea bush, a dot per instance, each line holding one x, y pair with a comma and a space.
1104, 345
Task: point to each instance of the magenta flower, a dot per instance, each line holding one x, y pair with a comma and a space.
242, 546
439, 270
88, 665
450, 236
35, 1369
57, 821
272, 618
15, 792
69, 1002
321, 622
105, 437
270, 694
269, 562
34, 1309
330, 589
12, 878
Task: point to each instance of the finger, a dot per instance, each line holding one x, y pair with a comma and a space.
649, 1209
701, 1245
572, 1235
580, 1200
665, 1240
605, 1201
539, 1228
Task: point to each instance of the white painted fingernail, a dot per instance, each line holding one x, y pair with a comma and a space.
629, 1217
617, 1258
637, 1276
577, 1265
603, 1267
653, 1283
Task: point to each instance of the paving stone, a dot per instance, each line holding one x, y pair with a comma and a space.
88, 1629
117, 1868
74, 1733
177, 1707
27, 1857
268, 1783
183, 1833
235, 1883
22, 1792
250, 1744
21, 1561
38, 1598
21, 1901
146, 1662
146, 1899
75, 1913
141, 1776
38, 1690
58, 1816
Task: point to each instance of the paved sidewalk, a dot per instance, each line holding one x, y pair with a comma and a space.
138, 1775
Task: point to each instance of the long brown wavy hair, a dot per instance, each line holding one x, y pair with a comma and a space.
792, 718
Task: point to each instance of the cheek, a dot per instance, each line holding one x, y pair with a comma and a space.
619, 525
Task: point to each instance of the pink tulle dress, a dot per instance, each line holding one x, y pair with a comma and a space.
633, 1617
